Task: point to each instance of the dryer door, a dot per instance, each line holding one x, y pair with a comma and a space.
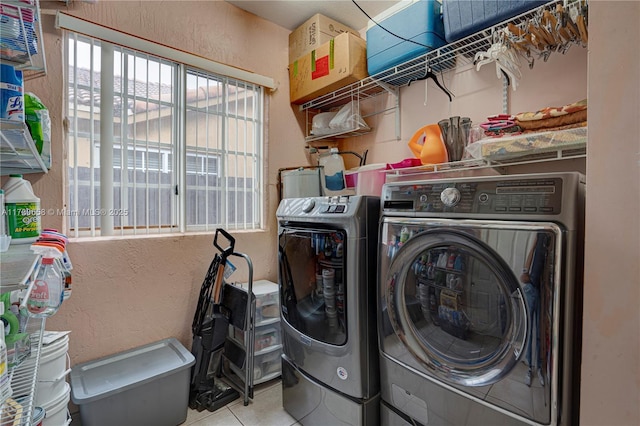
312, 279
452, 295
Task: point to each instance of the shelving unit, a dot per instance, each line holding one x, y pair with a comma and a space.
18, 153
441, 60
18, 264
473, 166
357, 92
266, 342
23, 377
23, 53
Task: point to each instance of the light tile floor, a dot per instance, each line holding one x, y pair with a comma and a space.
265, 409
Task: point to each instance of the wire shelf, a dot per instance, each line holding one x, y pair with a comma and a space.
21, 44
440, 60
18, 153
18, 410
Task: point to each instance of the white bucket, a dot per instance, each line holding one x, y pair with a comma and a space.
300, 183
56, 411
52, 370
53, 359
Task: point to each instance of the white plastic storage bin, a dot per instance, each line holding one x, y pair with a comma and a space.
148, 385
266, 365
266, 336
268, 333
267, 302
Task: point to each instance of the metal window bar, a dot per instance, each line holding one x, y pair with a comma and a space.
224, 152
92, 140
73, 220
124, 124
92, 137
227, 102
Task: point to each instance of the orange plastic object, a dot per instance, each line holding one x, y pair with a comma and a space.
427, 145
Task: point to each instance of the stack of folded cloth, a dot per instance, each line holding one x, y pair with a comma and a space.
554, 118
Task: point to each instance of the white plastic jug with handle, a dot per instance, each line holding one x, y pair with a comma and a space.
22, 209
5, 238
332, 173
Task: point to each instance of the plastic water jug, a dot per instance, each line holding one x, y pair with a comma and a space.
11, 93
332, 173
22, 209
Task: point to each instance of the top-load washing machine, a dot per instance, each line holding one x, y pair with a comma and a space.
480, 300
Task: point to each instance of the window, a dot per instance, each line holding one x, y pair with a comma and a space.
183, 152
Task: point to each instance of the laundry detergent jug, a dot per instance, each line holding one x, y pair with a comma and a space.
332, 173
22, 209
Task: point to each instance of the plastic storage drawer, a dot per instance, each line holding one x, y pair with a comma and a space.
265, 337
266, 365
420, 22
148, 385
267, 301
465, 17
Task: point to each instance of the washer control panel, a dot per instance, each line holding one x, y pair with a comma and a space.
326, 205
509, 196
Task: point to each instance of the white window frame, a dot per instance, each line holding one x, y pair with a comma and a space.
180, 153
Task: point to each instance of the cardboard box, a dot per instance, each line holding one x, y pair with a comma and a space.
335, 64
315, 32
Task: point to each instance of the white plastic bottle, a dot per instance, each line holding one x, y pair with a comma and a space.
46, 295
23, 210
332, 173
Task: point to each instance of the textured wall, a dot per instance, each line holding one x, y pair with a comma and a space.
611, 344
127, 292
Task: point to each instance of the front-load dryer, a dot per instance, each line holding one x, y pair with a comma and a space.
479, 300
327, 250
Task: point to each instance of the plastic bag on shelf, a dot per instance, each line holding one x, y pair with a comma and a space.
36, 116
320, 123
348, 118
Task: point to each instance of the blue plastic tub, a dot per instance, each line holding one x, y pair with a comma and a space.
421, 22
466, 17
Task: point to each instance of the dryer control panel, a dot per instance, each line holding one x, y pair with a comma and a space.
496, 196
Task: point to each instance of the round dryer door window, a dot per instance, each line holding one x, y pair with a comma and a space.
457, 306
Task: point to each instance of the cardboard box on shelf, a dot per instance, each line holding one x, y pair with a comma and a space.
335, 64
315, 32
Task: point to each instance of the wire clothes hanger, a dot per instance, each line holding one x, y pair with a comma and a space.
430, 74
